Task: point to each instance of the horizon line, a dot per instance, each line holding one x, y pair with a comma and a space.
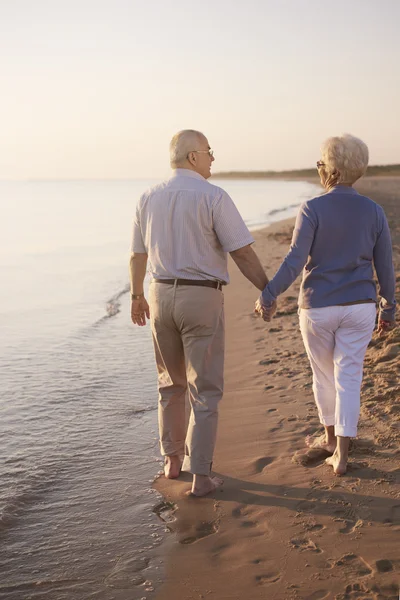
247, 173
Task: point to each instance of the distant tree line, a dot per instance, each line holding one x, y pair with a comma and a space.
303, 173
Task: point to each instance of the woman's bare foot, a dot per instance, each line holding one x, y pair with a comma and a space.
321, 442
339, 464
172, 467
203, 485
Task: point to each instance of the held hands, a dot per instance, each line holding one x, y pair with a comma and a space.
266, 311
139, 311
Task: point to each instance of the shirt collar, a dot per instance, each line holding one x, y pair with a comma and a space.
187, 173
343, 189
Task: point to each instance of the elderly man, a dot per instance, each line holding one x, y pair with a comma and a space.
185, 228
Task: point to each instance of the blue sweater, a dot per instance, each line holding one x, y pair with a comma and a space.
337, 238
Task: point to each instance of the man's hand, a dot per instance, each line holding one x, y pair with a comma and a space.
139, 311
265, 310
384, 327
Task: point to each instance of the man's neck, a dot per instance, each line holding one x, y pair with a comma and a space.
188, 172
187, 165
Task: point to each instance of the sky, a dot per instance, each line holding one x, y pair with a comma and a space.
97, 88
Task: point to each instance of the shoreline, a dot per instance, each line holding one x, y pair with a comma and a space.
280, 529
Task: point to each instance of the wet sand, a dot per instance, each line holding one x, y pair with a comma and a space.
283, 526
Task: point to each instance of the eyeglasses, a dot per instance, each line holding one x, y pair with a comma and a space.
209, 152
320, 164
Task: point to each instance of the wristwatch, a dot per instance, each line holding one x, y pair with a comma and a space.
136, 296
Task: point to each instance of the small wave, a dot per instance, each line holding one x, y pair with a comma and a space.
284, 209
113, 305
33, 585
140, 411
27, 491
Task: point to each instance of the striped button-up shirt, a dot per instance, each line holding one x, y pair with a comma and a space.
187, 226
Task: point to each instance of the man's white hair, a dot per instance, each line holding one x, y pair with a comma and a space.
346, 154
182, 143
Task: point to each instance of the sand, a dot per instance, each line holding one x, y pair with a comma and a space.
283, 526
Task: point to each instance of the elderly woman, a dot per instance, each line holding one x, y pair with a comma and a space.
337, 238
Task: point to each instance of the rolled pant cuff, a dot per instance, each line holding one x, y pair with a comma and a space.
345, 431
168, 449
196, 467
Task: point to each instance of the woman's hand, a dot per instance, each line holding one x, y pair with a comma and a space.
384, 327
265, 310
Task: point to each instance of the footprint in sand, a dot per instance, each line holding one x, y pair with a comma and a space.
249, 519
278, 426
240, 511
355, 590
353, 565
293, 418
305, 544
268, 578
310, 456
268, 361
384, 565
362, 592
200, 531
261, 463
166, 511
349, 526
313, 528
351, 483
318, 595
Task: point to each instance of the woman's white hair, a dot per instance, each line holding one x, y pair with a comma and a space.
347, 156
182, 143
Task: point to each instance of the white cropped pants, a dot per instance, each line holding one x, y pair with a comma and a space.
336, 338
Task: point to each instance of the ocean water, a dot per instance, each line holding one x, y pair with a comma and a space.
78, 402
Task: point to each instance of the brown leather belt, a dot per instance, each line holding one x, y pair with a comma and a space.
217, 285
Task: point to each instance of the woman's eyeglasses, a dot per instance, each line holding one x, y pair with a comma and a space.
209, 152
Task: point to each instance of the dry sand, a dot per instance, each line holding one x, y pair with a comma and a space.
283, 527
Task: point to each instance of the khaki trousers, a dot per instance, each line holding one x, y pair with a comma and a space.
188, 334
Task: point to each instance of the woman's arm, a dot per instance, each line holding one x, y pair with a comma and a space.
295, 260
383, 262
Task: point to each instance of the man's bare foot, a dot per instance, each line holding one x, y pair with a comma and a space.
172, 467
206, 486
321, 443
339, 465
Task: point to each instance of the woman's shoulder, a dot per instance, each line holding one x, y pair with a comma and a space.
351, 195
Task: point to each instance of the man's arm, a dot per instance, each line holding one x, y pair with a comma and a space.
137, 270
249, 264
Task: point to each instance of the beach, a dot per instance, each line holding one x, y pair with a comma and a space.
78, 409
283, 526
